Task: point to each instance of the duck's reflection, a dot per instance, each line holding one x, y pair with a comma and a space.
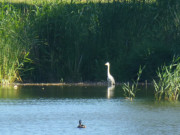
110, 91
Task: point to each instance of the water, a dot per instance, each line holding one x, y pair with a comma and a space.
53, 110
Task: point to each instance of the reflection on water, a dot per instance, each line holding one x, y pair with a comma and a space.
23, 92
110, 91
8, 92
59, 92
54, 110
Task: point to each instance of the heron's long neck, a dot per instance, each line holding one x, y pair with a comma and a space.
108, 70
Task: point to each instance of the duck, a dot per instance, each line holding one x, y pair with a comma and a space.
81, 125
110, 78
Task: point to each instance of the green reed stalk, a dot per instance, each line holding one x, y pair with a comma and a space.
168, 84
131, 89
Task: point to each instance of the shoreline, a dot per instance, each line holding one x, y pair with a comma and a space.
70, 84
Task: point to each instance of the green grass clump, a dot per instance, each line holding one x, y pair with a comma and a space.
131, 89
168, 84
14, 44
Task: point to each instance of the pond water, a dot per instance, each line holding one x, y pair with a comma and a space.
56, 110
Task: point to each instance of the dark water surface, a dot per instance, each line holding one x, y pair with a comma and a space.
56, 110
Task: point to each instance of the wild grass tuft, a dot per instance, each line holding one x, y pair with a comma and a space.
14, 44
131, 89
168, 84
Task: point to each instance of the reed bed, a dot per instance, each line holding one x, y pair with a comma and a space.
168, 84
14, 44
55, 41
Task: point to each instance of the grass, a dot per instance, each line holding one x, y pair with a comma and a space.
14, 44
131, 89
168, 84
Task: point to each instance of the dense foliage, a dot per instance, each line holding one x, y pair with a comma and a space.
72, 41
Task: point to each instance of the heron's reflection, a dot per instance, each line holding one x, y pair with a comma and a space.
110, 91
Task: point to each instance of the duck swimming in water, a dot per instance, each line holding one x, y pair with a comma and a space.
81, 125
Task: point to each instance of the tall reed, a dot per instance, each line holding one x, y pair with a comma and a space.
168, 84
14, 43
131, 89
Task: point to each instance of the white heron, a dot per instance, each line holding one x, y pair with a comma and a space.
110, 78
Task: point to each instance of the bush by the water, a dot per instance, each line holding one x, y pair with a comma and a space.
49, 42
